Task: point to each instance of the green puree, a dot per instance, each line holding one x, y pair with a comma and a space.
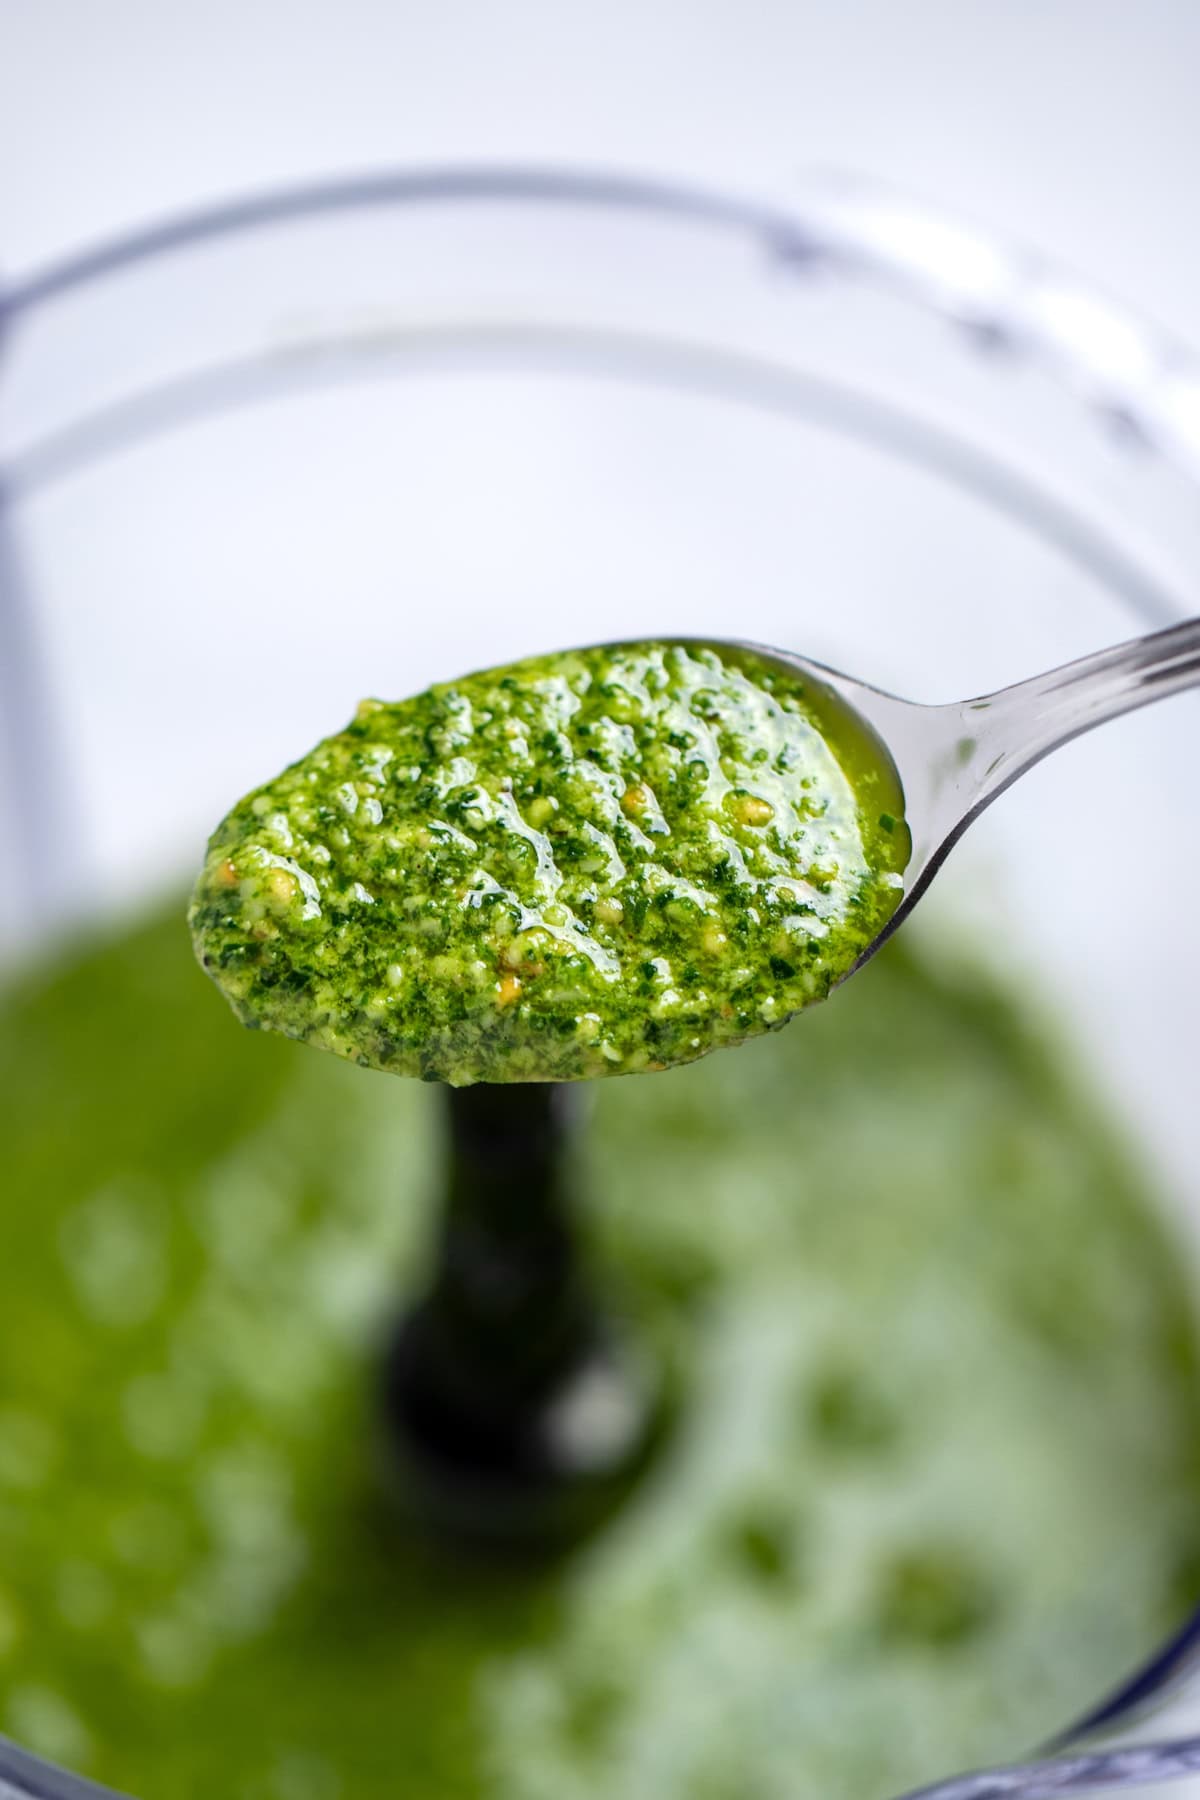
932, 1490
587, 864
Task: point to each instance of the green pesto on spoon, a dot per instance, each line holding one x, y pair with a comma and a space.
613, 859
585, 864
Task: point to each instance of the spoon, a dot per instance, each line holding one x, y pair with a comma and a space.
953, 760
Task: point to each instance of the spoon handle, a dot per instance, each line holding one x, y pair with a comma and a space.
955, 759
1001, 735
1057, 706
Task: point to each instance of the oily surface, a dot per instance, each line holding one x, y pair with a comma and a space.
587, 864
931, 1492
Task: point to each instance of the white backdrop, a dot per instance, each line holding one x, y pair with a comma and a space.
1071, 124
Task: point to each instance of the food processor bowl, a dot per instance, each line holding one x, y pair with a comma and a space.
353, 437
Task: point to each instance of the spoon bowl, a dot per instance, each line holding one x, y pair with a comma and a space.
952, 760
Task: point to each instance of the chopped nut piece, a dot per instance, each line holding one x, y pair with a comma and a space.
748, 809
520, 952
281, 887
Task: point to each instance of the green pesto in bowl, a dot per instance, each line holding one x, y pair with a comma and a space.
935, 1485
589, 863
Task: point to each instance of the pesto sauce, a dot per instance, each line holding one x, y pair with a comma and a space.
586, 864
935, 1487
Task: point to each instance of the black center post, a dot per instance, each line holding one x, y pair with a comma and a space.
518, 1409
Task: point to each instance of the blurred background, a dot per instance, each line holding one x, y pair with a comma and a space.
1069, 125
346, 348
277, 564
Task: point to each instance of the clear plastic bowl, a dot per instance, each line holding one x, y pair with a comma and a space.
350, 438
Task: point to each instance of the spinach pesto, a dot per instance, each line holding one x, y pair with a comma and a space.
585, 864
941, 1488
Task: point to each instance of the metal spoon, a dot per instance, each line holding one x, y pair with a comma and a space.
954, 760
